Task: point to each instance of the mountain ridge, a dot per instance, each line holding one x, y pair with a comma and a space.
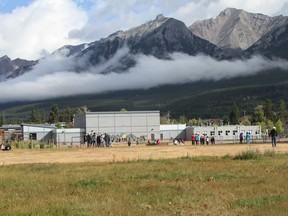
235, 30
161, 38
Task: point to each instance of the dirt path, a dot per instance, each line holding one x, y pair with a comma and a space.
122, 153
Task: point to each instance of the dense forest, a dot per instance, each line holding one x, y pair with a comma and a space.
267, 115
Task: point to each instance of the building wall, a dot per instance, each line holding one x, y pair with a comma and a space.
169, 131
42, 133
80, 121
68, 136
138, 123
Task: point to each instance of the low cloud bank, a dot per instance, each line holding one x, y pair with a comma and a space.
54, 76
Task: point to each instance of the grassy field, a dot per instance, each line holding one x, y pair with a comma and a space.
249, 183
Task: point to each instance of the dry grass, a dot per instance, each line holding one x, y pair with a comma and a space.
123, 152
225, 184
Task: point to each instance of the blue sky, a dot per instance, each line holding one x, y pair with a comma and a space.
7, 6
31, 29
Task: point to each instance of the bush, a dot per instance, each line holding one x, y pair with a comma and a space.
248, 155
42, 145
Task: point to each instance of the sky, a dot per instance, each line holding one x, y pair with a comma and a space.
33, 29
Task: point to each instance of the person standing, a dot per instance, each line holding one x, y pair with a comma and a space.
273, 134
193, 139
248, 138
129, 142
241, 138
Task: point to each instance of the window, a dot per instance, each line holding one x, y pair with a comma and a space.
235, 132
220, 133
33, 136
212, 133
227, 133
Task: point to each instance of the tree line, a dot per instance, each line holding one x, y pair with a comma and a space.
54, 116
266, 114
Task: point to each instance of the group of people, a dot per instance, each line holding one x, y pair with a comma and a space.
104, 140
247, 138
272, 134
202, 140
93, 140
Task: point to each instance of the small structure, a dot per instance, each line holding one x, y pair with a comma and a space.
50, 134
172, 131
10, 132
42, 133
68, 136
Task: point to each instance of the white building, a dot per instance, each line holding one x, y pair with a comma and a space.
137, 123
43, 133
171, 131
226, 132
50, 134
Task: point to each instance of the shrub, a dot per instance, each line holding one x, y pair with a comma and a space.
248, 155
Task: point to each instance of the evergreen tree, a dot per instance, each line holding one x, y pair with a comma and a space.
54, 115
225, 120
182, 119
282, 112
3, 118
192, 122
269, 125
234, 116
82, 109
268, 110
68, 115
35, 116
258, 115
42, 116
279, 126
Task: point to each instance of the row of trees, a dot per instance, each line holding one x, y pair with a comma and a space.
53, 116
267, 115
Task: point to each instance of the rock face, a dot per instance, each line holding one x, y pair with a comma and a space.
13, 68
236, 30
159, 38
273, 44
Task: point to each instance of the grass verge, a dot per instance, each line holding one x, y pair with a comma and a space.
251, 183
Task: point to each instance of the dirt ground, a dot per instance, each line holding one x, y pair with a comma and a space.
124, 153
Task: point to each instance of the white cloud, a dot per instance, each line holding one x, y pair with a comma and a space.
54, 77
41, 27
109, 16
46, 25
205, 9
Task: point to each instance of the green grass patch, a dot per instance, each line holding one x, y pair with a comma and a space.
182, 186
254, 155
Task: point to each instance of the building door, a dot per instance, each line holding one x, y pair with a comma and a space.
152, 136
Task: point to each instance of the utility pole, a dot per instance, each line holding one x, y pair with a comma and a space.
168, 117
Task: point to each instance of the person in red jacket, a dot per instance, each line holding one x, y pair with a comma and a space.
193, 139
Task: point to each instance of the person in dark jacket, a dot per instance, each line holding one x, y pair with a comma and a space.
273, 134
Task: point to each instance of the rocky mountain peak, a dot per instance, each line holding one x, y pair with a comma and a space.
5, 57
235, 30
140, 30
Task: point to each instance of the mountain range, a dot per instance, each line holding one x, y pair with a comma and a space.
233, 35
